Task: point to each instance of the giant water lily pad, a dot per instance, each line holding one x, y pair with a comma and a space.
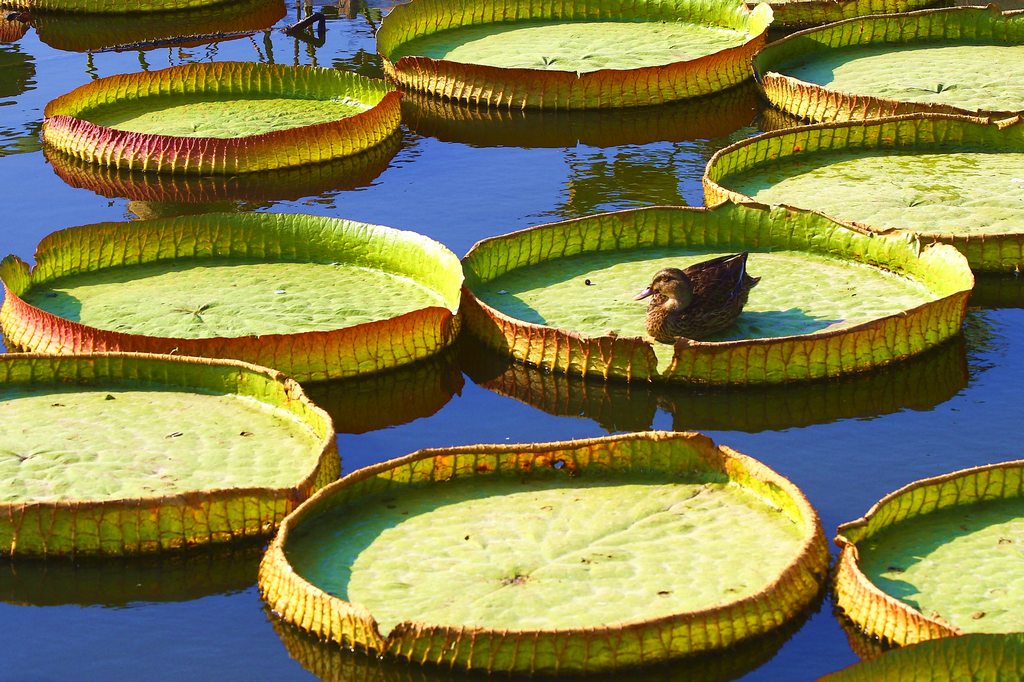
504, 558
944, 178
315, 297
980, 658
584, 54
902, 566
961, 60
920, 383
222, 117
125, 454
112, 7
832, 300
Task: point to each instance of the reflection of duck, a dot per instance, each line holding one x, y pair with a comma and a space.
696, 302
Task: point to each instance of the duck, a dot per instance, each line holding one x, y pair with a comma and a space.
699, 301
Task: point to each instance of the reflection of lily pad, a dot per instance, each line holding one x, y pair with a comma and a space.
315, 297
91, 32
901, 569
712, 116
222, 117
331, 663
918, 384
287, 184
390, 398
16, 71
961, 60
12, 30
832, 300
971, 657
124, 454
584, 54
500, 557
117, 582
998, 291
946, 178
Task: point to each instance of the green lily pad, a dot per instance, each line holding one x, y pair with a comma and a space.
561, 296
222, 117
315, 297
124, 454
980, 658
499, 557
581, 55
946, 178
901, 570
798, 13
960, 60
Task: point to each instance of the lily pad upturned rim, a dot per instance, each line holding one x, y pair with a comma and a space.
113, 7
259, 383
521, 88
875, 612
800, 13
985, 253
308, 356
65, 130
962, 658
820, 103
726, 362
297, 601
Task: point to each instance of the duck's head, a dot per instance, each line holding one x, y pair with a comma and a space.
671, 283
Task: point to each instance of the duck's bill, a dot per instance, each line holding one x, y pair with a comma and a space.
643, 294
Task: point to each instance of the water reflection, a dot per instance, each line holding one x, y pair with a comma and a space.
333, 663
920, 383
116, 582
480, 126
998, 291
773, 119
143, 31
12, 30
262, 189
389, 398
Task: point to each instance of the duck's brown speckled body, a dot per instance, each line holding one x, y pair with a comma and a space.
699, 301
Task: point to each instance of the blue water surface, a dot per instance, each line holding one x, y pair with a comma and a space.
845, 444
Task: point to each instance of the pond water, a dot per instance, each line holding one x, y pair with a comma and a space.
844, 443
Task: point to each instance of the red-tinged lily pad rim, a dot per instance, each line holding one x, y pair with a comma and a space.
915, 625
429, 328
275, 569
213, 155
327, 460
795, 87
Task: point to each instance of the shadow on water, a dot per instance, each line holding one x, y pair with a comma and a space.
919, 383
482, 126
259, 189
117, 582
142, 31
389, 398
333, 663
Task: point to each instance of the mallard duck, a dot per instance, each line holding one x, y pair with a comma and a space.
697, 302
